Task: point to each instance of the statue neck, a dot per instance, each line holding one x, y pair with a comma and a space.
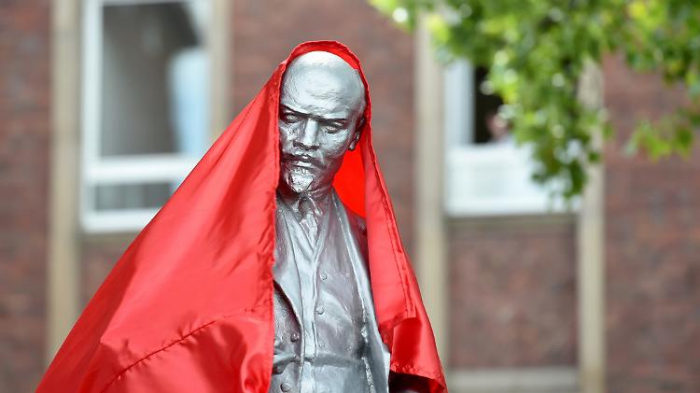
318, 201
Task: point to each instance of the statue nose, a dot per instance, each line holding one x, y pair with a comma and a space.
308, 136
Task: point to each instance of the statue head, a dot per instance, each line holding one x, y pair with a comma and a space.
322, 103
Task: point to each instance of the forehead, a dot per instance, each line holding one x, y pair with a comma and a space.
325, 87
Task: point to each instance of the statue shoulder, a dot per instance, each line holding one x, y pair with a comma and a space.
358, 226
358, 223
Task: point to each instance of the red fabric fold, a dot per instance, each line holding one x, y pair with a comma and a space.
188, 306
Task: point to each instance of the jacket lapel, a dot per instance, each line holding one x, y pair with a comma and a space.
285, 270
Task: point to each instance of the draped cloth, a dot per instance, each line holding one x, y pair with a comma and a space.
189, 305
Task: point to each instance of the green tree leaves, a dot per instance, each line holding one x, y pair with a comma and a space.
536, 50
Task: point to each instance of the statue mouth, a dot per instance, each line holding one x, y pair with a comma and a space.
303, 164
302, 161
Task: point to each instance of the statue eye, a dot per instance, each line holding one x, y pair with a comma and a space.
333, 128
288, 117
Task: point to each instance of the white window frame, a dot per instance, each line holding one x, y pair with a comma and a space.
97, 170
483, 179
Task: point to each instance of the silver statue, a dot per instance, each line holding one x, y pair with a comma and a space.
326, 335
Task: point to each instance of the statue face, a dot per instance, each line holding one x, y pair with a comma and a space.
320, 114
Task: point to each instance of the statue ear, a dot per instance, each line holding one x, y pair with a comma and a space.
358, 131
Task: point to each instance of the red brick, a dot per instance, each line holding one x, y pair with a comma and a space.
24, 156
512, 293
652, 248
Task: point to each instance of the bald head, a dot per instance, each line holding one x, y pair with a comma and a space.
327, 80
322, 103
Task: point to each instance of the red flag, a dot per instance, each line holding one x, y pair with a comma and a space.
188, 307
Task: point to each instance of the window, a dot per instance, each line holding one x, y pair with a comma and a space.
486, 172
146, 118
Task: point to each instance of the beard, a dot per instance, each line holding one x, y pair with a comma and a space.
297, 180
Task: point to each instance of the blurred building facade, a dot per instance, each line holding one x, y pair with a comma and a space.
93, 138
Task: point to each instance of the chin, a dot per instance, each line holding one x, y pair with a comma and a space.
298, 183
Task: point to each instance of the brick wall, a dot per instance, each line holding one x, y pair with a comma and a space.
652, 249
512, 292
24, 155
99, 254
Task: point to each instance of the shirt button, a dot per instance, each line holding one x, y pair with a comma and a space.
285, 387
324, 276
320, 310
294, 337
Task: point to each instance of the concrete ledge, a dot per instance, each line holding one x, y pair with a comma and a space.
518, 380
513, 223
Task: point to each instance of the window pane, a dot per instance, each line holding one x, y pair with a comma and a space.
154, 79
489, 127
131, 196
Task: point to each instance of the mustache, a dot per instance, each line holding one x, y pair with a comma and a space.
303, 158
